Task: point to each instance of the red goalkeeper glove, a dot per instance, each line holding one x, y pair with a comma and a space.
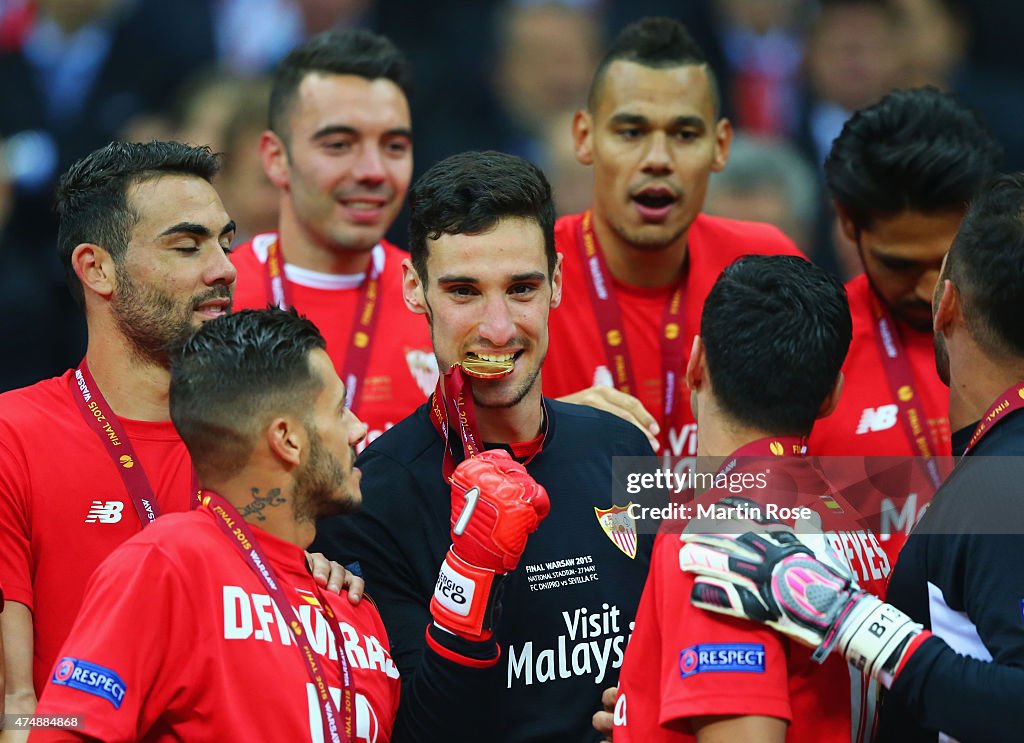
496, 505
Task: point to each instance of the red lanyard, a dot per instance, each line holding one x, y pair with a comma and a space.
452, 404
901, 383
609, 321
357, 356
100, 417
241, 536
1012, 399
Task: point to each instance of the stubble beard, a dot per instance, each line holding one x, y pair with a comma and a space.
322, 488
155, 327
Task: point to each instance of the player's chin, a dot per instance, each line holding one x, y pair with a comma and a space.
345, 501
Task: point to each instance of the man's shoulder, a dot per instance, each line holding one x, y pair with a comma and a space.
731, 238
184, 541
44, 400
588, 428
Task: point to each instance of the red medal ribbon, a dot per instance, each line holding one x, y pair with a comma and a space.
901, 383
455, 393
357, 356
101, 418
241, 536
452, 404
1012, 399
609, 320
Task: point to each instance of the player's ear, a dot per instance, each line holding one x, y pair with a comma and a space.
583, 136
846, 222
829, 404
696, 370
948, 308
723, 140
413, 291
274, 156
556, 283
95, 269
286, 440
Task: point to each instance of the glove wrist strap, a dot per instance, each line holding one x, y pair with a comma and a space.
875, 636
466, 598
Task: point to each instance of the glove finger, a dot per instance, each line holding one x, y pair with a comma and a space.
727, 544
537, 497
707, 561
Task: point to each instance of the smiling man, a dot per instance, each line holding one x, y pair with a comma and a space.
640, 262
339, 151
488, 651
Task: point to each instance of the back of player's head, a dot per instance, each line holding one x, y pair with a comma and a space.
776, 330
986, 263
345, 52
469, 193
915, 150
234, 375
658, 43
92, 196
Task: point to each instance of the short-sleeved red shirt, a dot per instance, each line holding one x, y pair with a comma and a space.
683, 662
64, 506
868, 422
179, 640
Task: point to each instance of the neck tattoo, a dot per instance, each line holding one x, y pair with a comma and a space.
259, 502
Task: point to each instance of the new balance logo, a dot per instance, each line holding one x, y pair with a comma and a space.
877, 419
108, 512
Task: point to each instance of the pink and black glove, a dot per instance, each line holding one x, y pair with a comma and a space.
772, 577
496, 505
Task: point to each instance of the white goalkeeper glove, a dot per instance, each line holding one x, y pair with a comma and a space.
769, 576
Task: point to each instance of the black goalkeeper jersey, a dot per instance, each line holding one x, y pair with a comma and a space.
567, 610
961, 574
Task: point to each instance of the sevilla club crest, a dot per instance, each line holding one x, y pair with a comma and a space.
620, 527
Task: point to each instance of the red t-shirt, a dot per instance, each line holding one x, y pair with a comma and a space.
179, 640
64, 506
576, 355
683, 662
868, 423
401, 372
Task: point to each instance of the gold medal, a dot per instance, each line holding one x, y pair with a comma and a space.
480, 368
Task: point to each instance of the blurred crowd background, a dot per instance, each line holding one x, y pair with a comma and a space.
75, 74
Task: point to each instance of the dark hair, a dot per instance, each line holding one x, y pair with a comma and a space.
918, 150
986, 263
233, 375
657, 43
92, 196
346, 52
776, 330
469, 193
